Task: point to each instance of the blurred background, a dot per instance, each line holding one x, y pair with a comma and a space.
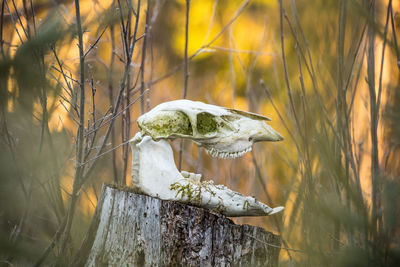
73, 81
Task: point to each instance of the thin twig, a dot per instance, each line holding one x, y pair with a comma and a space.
119, 96
241, 51
116, 115
126, 119
19, 19
13, 22
186, 74
80, 133
52, 244
1, 28
95, 43
376, 187
110, 75
383, 56
33, 17
210, 25
275, 246
204, 47
142, 66
286, 74
232, 67
105, 153
264, 186
185, 63
396, 46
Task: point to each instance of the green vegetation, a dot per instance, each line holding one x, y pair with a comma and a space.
206, 123
174, 123
190, 191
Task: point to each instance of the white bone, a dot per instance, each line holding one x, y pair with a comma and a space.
197, 177
155, 174
185, 174
190, 175
225, 132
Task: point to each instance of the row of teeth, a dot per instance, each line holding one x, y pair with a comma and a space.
219, 154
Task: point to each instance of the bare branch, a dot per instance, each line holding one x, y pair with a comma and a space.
186, 73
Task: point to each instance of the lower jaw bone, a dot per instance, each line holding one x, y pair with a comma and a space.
155, 174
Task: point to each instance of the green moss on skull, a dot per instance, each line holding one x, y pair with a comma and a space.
246, 205
206, 123
192, 193
189, 190
168, 123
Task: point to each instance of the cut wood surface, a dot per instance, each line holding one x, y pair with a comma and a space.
130, 229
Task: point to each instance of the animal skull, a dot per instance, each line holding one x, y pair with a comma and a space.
223, 132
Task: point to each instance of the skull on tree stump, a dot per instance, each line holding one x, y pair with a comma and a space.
221, 131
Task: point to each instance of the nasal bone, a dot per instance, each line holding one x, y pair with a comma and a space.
268, 134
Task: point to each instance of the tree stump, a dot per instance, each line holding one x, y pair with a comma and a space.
130, 229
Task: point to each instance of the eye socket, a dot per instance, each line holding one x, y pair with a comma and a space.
206, 123
250, 139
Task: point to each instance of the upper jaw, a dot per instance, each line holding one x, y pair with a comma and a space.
225, 149
226, 154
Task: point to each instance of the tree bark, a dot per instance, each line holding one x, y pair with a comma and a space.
130, 229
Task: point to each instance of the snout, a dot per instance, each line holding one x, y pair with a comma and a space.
268, 134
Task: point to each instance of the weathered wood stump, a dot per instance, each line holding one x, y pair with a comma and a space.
130, 229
